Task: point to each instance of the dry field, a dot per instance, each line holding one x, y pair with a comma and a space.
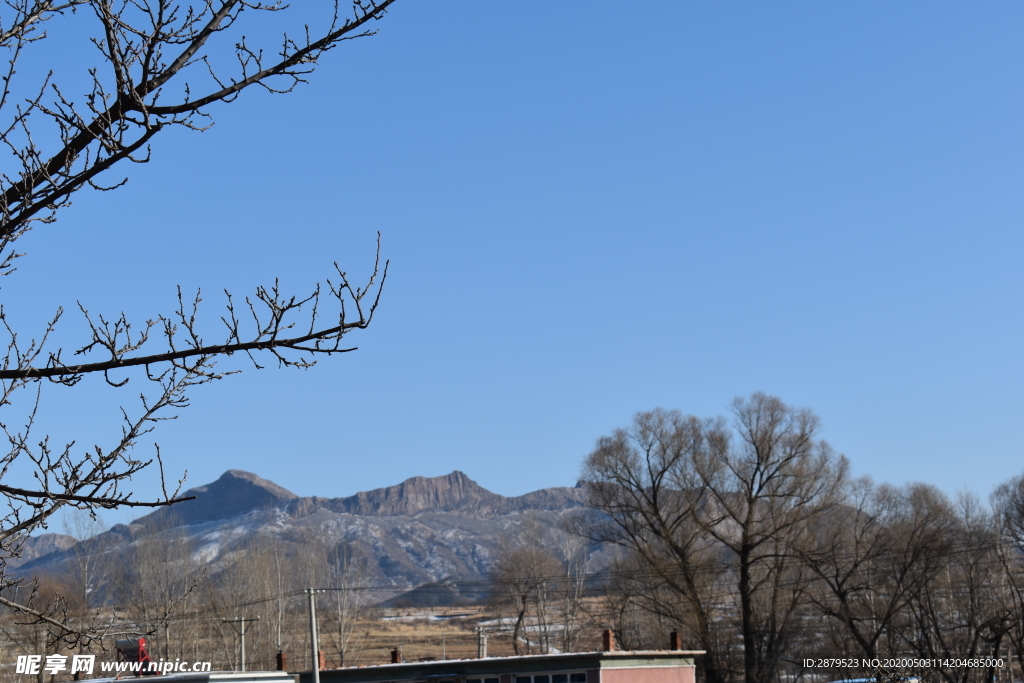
434, 633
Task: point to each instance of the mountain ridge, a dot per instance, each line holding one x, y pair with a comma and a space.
237, 492
421, 530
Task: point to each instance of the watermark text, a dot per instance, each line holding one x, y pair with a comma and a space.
86, 664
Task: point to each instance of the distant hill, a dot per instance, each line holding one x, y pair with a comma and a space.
441, 532
41, 546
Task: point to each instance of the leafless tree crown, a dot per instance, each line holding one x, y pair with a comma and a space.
714, 510
157, 65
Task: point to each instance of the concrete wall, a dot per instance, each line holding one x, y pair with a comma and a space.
654, 674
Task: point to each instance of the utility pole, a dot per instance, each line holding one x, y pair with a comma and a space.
240, 630
314, 643
481, 642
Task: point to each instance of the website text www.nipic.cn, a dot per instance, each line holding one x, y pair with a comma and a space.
86, 664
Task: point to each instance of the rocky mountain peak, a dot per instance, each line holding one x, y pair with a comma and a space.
40, 546
240, 478
235, 493
418, 494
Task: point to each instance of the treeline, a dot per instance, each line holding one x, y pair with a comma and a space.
748, 535
161, 586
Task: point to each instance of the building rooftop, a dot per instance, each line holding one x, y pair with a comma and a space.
525, 665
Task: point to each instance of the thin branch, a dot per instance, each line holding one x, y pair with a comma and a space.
92, 500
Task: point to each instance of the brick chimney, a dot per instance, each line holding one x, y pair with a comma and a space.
396, 656
608, 640
282, 661
674, 641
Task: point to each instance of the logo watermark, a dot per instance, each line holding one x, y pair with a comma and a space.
86, 664
31, 664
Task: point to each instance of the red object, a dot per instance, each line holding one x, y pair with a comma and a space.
134, 650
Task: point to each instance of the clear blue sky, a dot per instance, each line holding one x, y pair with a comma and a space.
591, 209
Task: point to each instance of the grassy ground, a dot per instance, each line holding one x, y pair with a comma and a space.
424, 634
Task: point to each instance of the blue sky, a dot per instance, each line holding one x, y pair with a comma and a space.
593, 209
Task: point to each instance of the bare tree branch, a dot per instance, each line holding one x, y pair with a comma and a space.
92, 500
160, 64
126, 113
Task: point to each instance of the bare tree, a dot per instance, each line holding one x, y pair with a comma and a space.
159, 65
635, 482
1008, 508
233, 595
524, 573
758, 495
159, 576
276, 569
685, 494
964, 611
573, 549
639, 606
347, 597
90, 565
874, 557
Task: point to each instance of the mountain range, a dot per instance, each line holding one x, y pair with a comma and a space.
423, 531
